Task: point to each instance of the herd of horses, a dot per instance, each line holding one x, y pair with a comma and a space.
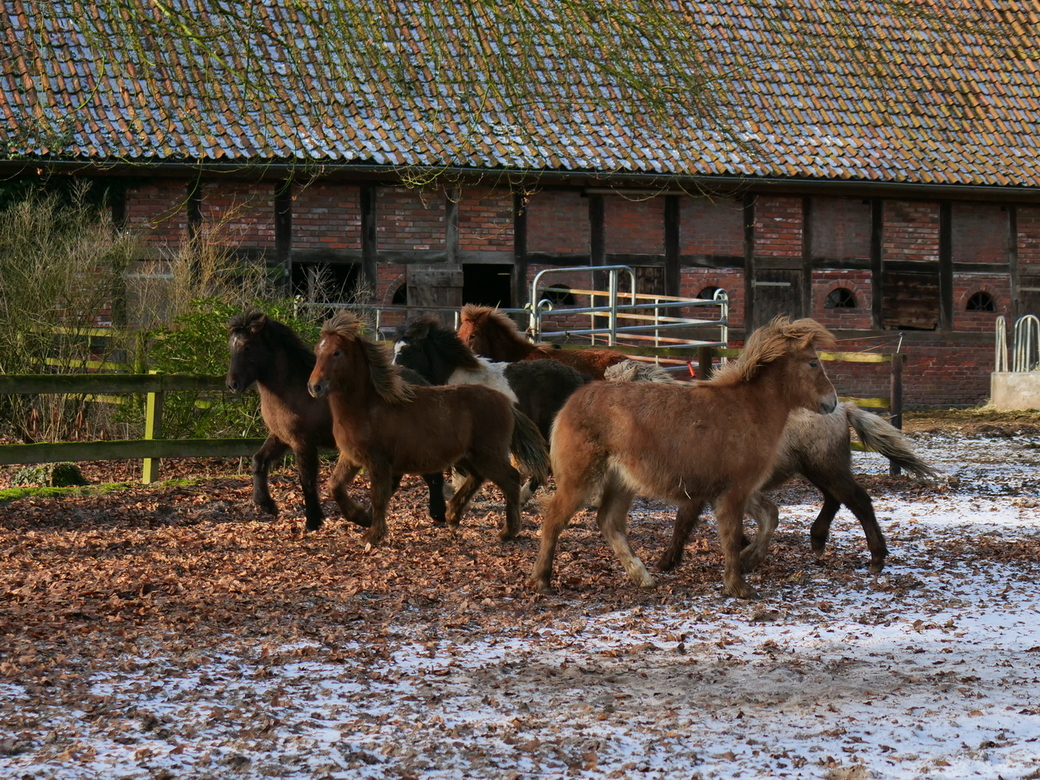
489, 405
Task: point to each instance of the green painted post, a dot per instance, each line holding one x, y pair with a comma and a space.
152, 430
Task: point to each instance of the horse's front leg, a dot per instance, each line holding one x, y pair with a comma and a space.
307, 465
729, 511
567, 500
464, 492
767, 517
272, 449
383, 483
342, 475
687, 517
435, 483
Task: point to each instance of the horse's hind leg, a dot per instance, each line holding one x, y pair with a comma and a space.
508, 480
463, 493
567, 500
687, 517
767, 517
612, 519
847, 491
272, 449
342, 475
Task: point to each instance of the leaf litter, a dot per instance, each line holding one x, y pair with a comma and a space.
172, 631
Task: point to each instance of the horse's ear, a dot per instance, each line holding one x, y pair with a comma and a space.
257, 323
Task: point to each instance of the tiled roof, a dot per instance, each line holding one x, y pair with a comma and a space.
883, 91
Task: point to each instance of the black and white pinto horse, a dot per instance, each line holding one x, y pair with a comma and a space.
539, 388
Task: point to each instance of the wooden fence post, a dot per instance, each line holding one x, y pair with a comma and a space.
152, 430
704, 355
896, 402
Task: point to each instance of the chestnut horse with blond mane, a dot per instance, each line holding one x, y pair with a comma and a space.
714, 441
490, 333
389, 427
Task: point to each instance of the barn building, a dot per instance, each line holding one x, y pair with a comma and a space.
873, 165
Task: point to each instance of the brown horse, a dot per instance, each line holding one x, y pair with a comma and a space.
814, 446
491, 333
388, 427
270, 354
708, 441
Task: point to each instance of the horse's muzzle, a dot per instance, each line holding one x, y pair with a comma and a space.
318, 389
234, 385
829, 403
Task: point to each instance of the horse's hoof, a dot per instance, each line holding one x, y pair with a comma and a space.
740, 590
540, 585
314, 524
668, 562
876, 567
268, 508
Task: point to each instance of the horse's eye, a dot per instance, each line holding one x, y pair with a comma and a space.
337, 353
814, 364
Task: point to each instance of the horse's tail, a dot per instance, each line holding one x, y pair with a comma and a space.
528, 447
878, 435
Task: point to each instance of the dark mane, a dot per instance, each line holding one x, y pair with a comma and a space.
770, 343
274, 334
385, 376
442, 340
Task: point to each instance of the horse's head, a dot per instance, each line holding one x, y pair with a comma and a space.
411, 348
791, 348
248, 352
472, 329
346, 359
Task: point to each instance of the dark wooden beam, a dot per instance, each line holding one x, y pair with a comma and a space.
369, 270
671, 245
877, 229
945, 266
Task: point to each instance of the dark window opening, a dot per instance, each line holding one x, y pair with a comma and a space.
559, 295
708, 293
326, 282
981, 301
840, 298
487, 284
400, 296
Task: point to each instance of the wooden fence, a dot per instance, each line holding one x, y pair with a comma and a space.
153, 447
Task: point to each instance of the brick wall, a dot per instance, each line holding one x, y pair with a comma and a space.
979, 233
634, 227
966, 285
911, 231
410, 219
159, 212
841, 228
326, 216
778, 227
558, 221
711, 227
692, 281
238, 215
485, 220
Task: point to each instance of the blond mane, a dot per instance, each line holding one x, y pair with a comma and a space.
385, 376
771, 342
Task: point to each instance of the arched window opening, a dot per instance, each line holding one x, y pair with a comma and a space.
560, 295
981, 301
708, 293
400, 296
840, 298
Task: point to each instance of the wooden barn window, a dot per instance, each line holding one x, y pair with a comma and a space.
910, 300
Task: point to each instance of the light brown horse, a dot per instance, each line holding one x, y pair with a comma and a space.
389, 427
708, 441
490, 333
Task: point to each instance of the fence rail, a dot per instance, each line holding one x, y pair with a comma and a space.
153, 447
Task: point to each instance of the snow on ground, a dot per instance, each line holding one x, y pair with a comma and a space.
931, 669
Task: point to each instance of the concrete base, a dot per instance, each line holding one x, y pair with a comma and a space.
1014, 391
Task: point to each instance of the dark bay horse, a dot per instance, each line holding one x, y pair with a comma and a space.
388, 427
271, 355
491, 333
814, 446
684, 443
538, 387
